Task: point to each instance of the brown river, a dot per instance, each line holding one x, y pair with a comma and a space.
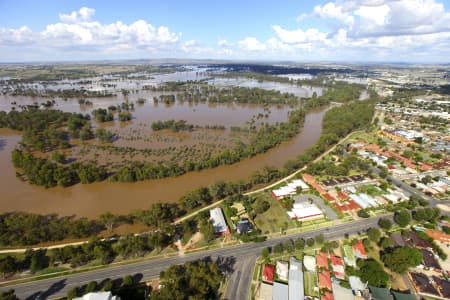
92, 200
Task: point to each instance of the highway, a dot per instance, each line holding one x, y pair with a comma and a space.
237, 260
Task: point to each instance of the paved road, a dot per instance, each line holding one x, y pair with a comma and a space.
238, 260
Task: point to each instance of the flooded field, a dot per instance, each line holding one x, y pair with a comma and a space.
93, 199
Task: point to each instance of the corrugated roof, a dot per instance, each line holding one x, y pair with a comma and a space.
325, 280
296, 287
218, 220
280, 291
380, 293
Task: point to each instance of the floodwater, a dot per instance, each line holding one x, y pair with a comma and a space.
94, 199
91, 200
299, 91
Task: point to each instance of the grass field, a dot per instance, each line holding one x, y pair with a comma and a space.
274, 218
310, 279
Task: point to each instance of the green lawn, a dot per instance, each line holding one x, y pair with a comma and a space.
274, 218
310, 279
348, 252
361, 135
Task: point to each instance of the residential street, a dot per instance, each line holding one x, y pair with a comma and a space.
239, 260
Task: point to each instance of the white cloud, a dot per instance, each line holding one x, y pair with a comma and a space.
364, 18
349, 30
334, 11
252, 44
224, 43
77, 32
299, 36
83, 14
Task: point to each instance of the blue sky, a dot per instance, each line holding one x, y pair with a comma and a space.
342, 30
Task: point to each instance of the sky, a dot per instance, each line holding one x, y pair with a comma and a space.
281, 30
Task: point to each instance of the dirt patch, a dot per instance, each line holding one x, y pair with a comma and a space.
197, 237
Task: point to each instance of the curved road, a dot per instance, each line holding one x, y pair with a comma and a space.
237, 261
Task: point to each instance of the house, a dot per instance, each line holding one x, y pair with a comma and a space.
325, 280
296, 287
429, 261
356, 284
399, 241
349, 255
282, 270
337, 264
340, 292
312, 182
403, 296
244, 226
280, 291
418, 242
438, 235
310, 263
327, 296
290, 189
359, 250
218, 221
305, 211
342, 196
380, 293
322, 260
422, 284
443, 286
328, 197
268, 273
298, 183
98, 296
265, 291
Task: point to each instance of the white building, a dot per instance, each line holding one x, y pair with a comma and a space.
218, 221
282, 269
305, 211
98, 296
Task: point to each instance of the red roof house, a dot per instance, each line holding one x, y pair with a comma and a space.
338, 266
268, 273
359, 250
342, 196
328, 197
312, 182
322, 260
327, 296
325, 280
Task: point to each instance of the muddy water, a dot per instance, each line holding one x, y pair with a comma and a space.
94, 199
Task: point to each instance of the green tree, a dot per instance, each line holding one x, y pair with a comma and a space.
108, 219
400, 259
320, 239
193, 280
385, 224
91, 287
73, 293
310, 242
260, 206
386, 242
207, 229
8, 265
265, 253
402, 218
372, 271
374, 234
8, 295
299, 244
278, 248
